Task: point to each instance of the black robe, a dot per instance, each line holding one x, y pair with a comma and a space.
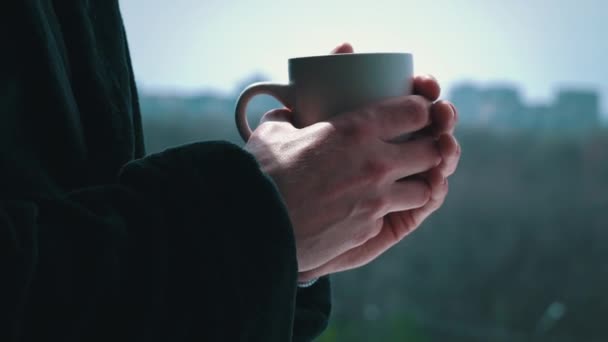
98, 242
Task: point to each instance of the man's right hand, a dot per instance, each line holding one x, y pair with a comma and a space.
340, 178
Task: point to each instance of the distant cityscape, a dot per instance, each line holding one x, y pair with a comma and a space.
497, 107
502, 107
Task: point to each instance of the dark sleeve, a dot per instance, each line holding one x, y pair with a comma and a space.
313, 306
192, 244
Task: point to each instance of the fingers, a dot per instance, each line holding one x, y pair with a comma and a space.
443, 116
407, 194
343, 48
353, 258
401, 223
439, 190
396, 226
391, 233
282, 115
394, 117
412, 157
443, 120
427, 87
450, 154
404, 222
443, 113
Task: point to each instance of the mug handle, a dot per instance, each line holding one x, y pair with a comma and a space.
281, 92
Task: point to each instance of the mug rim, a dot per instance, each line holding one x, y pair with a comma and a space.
337, 55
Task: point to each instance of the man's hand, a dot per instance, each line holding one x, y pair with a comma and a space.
351, 193
397, 225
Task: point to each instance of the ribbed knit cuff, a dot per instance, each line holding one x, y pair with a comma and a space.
306, 284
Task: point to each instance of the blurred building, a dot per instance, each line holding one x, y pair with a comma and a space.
577, 110
497, 106
501, 107
540, 117
467, 97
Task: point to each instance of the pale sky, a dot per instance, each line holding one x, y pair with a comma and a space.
540, 45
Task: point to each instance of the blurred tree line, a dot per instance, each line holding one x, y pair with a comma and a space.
519, 252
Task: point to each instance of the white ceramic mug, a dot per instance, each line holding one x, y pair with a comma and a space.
322, 86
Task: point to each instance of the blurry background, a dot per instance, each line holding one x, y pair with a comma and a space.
519, 251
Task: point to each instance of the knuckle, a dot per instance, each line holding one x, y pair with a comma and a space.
426, 193
436, 204
431, 149
458, 149
452, 165
417, 108
354, 128
439, 196
445, 189
440, 202
377, 226
362, 236
416, 118
374, 206
359, 238
441, 192
375, 170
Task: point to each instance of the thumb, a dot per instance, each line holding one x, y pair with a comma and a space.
343, 48
277, 115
